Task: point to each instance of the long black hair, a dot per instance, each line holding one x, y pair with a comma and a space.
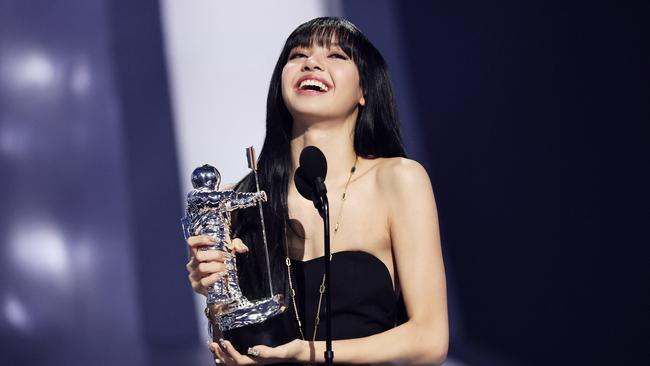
376, 135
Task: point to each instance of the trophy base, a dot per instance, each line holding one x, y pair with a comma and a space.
273, 332
245, 313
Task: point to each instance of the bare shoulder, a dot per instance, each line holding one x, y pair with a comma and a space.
399, 174
406, 190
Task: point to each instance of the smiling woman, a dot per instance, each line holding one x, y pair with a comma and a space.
330, 89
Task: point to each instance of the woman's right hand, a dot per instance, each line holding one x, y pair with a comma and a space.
205, 267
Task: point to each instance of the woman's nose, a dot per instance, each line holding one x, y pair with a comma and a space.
312, 63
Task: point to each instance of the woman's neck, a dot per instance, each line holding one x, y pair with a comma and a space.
334, 139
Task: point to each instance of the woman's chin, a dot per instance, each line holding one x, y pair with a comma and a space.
313, 114
318, 112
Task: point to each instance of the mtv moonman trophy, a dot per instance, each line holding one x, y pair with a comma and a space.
208, 213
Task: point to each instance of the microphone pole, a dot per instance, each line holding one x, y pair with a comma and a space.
324, 211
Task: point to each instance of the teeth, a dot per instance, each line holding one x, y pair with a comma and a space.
312, 82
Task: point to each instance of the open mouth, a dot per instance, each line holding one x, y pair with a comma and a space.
313, 85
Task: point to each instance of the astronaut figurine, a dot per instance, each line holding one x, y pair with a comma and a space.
208, 213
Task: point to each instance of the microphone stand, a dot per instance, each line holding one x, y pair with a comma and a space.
324, 211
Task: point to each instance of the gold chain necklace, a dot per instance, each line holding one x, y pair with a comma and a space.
321, 289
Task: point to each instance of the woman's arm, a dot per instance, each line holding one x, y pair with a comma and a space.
415, 237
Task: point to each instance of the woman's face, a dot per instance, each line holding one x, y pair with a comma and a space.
321, 83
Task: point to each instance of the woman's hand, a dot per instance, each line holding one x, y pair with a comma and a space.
205, 267
258, 355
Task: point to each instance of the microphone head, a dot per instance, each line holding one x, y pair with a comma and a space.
305, 188
312, 164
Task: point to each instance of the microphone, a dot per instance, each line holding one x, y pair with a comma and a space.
310, 176
310, 182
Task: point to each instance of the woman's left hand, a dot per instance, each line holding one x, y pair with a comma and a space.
257, 355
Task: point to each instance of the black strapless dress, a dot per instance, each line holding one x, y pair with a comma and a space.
363, 303
363, 299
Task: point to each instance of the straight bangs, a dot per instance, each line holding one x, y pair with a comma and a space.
326, 32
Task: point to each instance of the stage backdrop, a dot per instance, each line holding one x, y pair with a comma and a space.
530, 118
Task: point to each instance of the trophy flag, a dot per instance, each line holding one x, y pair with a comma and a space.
252, 164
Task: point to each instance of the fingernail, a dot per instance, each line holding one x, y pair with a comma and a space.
210, 346
222, 342
253, 352
245, 247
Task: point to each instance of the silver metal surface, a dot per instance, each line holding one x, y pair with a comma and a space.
209, 213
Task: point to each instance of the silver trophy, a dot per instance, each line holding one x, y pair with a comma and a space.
208, 213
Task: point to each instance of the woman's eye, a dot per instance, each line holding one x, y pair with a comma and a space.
339, 56
296, 55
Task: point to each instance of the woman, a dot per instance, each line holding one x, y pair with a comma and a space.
330, 89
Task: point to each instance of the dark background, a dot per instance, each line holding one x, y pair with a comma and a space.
536, 121
531, 118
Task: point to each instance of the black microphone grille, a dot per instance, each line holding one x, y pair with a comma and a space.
304, 187
313, 163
